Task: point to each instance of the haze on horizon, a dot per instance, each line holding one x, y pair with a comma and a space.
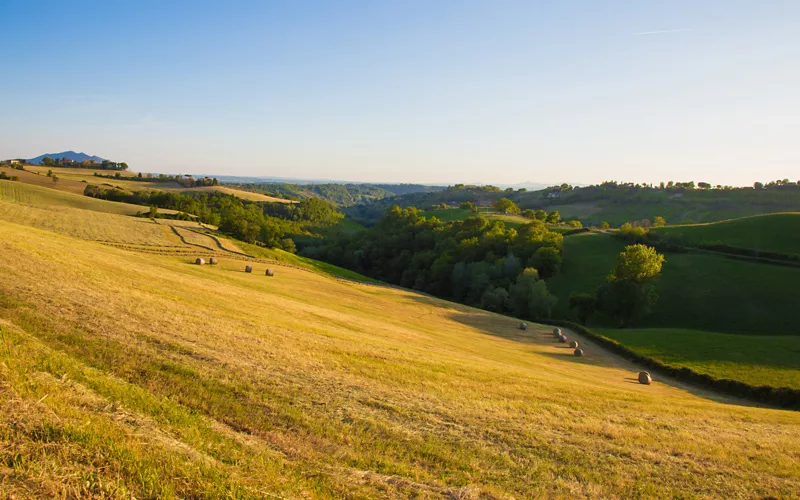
412, 91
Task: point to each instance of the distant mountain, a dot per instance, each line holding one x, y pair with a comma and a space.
72, 155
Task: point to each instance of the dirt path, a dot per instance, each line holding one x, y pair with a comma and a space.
595, 351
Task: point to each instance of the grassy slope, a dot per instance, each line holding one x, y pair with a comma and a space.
64, 184
149, 376
453, 214
778, 233
755, 359
704, 292
29, 194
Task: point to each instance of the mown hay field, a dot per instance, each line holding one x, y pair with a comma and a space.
50, 196
124, 374
89, 225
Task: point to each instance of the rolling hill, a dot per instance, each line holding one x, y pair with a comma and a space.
696, 290
778, 233
133, 373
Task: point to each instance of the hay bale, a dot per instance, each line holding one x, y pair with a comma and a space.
556, 332
562, 339
645, 378
523, 326
270, 272
200, 261
212, 261
574, 344
248, 269
578, 353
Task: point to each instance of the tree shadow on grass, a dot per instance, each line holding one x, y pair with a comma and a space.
507, 327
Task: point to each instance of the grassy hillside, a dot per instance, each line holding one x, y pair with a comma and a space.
132, 374
779, 233
705, 292
28, 194
41, 180
620, 204
452, 214
755, 359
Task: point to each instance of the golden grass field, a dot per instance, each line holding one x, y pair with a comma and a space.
129, 374
45, 196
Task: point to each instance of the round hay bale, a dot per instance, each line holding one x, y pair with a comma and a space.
574, 344
578, 353
212, 261
562, 339
248, 269
645, 378
270, 272
523, 326
556, 332
200, 261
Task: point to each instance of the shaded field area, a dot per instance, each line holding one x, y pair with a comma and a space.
753, 359
696, 291
779, 233
129, 374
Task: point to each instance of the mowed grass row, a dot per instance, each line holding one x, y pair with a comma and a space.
696, 291
89, 225
755, 359
779, 233
153, 377
28, 194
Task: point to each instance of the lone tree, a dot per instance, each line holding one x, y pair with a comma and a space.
628, 293
506, 205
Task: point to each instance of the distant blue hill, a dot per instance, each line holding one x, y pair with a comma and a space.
72, 155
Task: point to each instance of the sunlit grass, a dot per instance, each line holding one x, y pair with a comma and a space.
125, 373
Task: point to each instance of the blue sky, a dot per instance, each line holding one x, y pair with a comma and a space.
415, 91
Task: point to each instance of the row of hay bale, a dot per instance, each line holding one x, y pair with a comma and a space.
644, 377
559, 335
248, 269
269, 272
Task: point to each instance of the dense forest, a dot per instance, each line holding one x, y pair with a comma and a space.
475, 261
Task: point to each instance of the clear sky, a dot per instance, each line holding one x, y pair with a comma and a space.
490, 91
